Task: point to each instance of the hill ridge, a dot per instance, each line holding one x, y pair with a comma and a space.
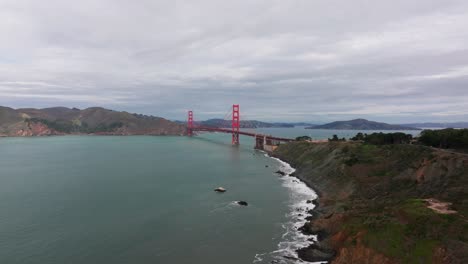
92, 120
361, 124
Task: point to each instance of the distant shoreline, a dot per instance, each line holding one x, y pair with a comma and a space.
368, 129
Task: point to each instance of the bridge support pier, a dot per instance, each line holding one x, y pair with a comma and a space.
259, 142
265, 143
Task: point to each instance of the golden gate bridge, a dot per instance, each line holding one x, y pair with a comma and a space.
262, 141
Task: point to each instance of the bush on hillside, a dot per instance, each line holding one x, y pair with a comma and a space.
335, 138
303, 138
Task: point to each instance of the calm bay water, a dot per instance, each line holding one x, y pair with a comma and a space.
142, 199
325, 133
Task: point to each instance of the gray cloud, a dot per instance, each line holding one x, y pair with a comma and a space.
393, 61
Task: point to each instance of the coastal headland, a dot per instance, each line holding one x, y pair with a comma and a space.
383, 203
72, 121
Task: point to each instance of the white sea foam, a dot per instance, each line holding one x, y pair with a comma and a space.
292, 238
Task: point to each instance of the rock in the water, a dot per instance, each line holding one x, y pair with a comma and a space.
315, 253
244, 203
291, 258
281, 172
220, 190
266, 166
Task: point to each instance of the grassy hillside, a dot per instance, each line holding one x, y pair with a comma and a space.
373, 201
94, 120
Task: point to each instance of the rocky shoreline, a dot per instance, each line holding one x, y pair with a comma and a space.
315, 251
306, 212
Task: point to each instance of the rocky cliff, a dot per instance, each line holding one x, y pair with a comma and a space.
384, 204
94, 120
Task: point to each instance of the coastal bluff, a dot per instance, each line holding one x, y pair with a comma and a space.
383, 204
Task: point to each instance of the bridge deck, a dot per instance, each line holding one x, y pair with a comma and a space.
250, 134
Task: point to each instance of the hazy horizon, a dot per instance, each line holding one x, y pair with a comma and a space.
288, 61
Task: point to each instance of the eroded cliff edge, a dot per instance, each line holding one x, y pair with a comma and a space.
384, 204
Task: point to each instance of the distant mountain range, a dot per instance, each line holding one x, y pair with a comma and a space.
98, 120
439, 125
361, 124
246, 123
94, 120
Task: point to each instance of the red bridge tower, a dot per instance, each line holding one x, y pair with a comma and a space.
190, 123
235, 124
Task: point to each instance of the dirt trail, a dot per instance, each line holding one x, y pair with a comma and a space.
439, 207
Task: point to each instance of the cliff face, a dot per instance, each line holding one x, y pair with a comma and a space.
94, 120
385, 204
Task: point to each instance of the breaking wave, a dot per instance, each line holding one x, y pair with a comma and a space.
300, 205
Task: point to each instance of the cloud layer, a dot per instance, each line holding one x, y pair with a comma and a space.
321, 60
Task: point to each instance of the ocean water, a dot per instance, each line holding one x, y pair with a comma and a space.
143, 199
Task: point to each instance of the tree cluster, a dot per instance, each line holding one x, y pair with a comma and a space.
335, 138
445, 138
384, 138
303, 138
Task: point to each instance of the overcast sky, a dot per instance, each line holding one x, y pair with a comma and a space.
311, 60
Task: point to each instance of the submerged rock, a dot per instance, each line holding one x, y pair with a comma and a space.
281, 172
291, 258
220, 190
243, 203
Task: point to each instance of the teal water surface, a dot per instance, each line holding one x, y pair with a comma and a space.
137, 199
